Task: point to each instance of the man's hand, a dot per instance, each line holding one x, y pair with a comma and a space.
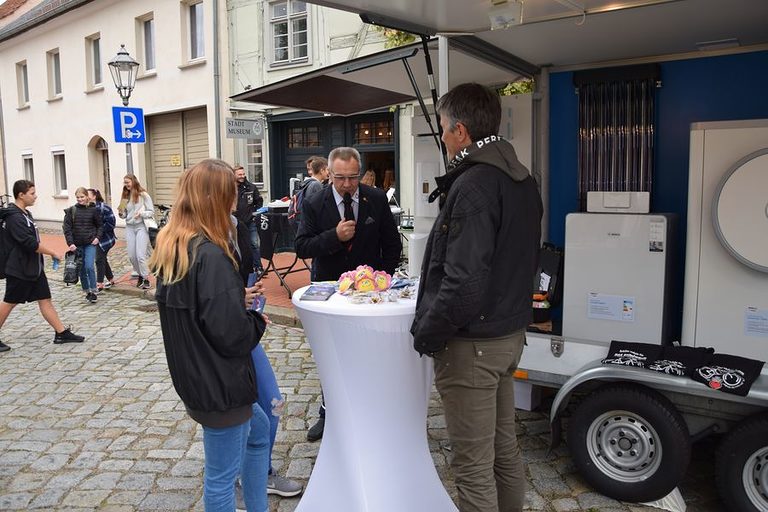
345, 230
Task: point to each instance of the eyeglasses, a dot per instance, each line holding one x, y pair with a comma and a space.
351, 179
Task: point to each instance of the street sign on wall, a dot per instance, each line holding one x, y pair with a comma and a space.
128, 125
244, 128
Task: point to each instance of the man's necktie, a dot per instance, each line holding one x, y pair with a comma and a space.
349, 214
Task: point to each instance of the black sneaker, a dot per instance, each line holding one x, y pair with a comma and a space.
139, 282
4, 347
315, 433
91, 297
67, 336
145, 285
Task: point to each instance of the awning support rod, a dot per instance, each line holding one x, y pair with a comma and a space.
433, 90
423, 106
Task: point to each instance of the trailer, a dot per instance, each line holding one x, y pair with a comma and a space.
674, 245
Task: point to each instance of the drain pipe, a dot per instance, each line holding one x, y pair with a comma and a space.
216, 79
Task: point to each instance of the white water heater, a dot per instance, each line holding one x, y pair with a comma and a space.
618, 277
726, 270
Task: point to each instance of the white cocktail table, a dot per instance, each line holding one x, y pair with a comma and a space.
374, 455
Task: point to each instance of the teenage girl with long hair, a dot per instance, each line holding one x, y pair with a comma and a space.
106, 242
135, 206
209, 335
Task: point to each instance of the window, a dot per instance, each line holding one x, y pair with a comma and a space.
377, 132
29, 167
145, 42
22, 82
289, 31
254, 161
196, 39
304, 137
54, 74
93, 60
149, 44
60, 172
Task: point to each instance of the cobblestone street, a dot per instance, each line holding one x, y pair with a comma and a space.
98, 425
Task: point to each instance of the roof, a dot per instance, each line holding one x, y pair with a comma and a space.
38, 15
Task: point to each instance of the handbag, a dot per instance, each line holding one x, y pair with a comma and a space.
72, 267
151, 223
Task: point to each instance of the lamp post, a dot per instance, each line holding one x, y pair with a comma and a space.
123, 69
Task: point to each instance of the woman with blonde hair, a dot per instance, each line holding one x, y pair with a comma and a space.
135, 207
209, 335
83, 230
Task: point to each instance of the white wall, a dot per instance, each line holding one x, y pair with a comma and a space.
72, 121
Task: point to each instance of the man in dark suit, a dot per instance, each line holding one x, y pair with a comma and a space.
345, 225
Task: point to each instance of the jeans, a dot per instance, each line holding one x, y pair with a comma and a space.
270, 399
254, 232
137, 240
102, 265
474, 379
88, 271
241, 449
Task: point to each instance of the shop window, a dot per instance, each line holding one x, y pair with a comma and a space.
374, 132
304, 137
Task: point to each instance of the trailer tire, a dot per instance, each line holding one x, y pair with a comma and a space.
742, 466
629, 442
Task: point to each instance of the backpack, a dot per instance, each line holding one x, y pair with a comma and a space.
72, 265
5, 247
294, 209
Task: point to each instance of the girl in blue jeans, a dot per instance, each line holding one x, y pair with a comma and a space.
83, 228
209, 336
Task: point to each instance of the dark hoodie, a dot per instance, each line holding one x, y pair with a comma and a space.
23, 260
482, 252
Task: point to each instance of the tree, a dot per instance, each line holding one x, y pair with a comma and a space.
394, 38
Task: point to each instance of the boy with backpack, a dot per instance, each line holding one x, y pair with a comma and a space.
318, 176
22, 263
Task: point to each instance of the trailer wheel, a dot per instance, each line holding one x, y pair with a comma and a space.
629, 443
742, 466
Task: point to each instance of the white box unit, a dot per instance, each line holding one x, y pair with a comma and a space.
617, 277
726, 270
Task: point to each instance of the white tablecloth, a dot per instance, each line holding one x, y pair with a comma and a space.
374, 455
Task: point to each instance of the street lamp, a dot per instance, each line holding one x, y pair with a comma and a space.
123, 69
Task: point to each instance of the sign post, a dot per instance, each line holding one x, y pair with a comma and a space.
128, 125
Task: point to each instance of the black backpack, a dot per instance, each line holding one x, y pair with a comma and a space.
72, 263
5, 247
294, 209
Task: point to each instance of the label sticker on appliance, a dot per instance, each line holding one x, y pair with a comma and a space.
610, 307
656, 236
756, 322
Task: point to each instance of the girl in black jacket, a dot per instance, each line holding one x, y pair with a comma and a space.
209, 335
83, 229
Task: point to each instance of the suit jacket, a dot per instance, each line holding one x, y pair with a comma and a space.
376, 241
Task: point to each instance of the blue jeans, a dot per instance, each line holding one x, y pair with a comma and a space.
241, 449
270, 399
88, 270
254, 232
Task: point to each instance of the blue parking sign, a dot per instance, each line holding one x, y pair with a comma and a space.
129, 125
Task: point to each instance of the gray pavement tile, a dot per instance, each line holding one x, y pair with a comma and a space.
15, 501
168, 501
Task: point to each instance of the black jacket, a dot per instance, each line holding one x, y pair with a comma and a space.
248, 201
82, 223
376, 242
208, 337
482, 251
23, 260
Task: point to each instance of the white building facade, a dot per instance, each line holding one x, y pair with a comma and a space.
58, 94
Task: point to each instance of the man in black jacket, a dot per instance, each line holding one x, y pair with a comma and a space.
25, 279
345, 225
474, 300
248, 201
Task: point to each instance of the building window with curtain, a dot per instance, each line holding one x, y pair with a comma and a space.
22, 83
29, 166
289, 32
93, 59
60, 173
54, 74
616, 129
